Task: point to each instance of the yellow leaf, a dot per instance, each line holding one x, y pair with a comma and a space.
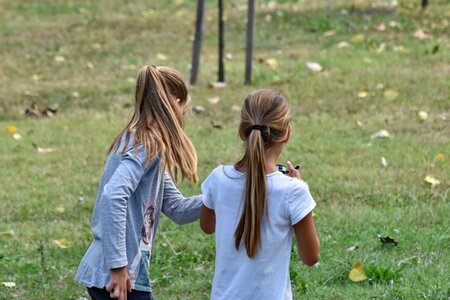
149, 13
423, 115
359, 123
11, 129
9, 284
440, 156
60, 58
62, 243
358, 38
272, 63
363, 94
390, 94
357, 273
367, 60
432, 180
60, 208
161, 56
89, 65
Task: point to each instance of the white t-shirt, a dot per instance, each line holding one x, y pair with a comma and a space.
266, 275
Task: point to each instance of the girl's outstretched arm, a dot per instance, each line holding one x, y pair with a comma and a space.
180, 209
207, 220
307, 241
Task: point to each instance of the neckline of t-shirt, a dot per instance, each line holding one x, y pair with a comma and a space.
233, 169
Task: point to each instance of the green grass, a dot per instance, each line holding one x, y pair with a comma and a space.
358, 199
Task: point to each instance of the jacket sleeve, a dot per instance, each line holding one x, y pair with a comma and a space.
180, 209
113, 206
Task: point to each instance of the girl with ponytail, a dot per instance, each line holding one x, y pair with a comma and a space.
136, 186
254, 209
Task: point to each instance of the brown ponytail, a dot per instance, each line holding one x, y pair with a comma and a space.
158, 121
265, 119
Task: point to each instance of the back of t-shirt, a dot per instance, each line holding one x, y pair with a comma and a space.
265, 276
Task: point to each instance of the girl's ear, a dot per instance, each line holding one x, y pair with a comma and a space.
241, 135
288, 134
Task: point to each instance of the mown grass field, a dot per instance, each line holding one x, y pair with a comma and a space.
84, 56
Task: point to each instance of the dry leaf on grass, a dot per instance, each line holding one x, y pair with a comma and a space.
214, 100
161, 56
62, 243
9, 284
432, 180
363, 94
313, 66
45, 150
422, 115
60, 208
11, 129
380, 134
357, 273
216, 85
390, 94
16, 136
198, 109
383, 162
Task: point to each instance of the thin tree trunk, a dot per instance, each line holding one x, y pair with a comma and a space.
197, 45
249, 48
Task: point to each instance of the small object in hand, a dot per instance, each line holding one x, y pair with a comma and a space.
283, 169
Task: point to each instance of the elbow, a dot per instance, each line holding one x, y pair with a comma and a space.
312, 260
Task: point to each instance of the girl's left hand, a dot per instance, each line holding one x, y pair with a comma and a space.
292, 171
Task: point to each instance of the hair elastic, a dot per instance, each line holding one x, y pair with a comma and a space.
258, 127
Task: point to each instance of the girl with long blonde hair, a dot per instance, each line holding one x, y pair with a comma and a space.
254, 209
136, 186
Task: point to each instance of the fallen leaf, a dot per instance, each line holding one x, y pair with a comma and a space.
353, 248
313, 66
390, 94
357, 273
11, 129
161, 56
45, 150
432, 180
420, 34
198, 108
216, 85
422, 115
399, 48
229, 55
359, 123
367, 60
60, 208
35, 77
235, 107
9, 284
363, 94
393, 24
150, 13
343, 44
272, 63
440, 156
214, 100
62, 243
380, 134
216, 124
96, 45
358, 38
383, 162
329, 33
16, 136
60, 58
75, 94
380, 27
89, 65
387, 241
435, 49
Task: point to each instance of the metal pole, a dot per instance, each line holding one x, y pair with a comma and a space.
249, 48
197, 45
221, 72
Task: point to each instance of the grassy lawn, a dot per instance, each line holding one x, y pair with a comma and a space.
383, 66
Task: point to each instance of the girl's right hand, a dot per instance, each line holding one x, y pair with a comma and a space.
119, 284
292, 171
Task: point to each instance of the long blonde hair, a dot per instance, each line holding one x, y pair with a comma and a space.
158, 121
265, 118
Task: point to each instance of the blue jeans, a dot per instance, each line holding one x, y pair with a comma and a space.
103, 294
